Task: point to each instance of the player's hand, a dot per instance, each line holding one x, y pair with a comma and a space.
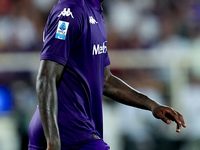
167, 115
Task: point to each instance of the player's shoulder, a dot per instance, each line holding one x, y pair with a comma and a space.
69, 8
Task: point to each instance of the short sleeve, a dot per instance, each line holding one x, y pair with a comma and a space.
62, 30
107, 61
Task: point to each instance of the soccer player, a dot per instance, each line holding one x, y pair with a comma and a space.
73, 75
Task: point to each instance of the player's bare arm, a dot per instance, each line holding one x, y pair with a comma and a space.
48, 77
120, 91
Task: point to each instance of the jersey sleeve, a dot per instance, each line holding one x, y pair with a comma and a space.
62, 30
107, 60
106, 57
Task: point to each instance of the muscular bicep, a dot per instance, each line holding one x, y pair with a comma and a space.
50, 70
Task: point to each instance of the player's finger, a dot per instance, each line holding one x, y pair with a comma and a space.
164, 118
181, 119
178, 128
174, 116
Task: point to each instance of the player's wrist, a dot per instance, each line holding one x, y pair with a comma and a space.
153, 105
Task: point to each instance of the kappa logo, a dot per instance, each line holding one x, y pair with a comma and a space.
66, 12
92, 20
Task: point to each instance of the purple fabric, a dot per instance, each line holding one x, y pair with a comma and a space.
96, 145
36, 135
75, 37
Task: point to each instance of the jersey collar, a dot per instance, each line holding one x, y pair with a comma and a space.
95, 4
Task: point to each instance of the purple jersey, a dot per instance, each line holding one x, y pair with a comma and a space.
75, 37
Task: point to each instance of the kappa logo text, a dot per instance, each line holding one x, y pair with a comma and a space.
97, 49
66, 12
92, 20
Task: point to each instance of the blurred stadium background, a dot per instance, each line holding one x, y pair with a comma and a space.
154, 45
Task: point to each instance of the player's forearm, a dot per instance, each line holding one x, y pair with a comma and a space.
47, 96
120, 91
